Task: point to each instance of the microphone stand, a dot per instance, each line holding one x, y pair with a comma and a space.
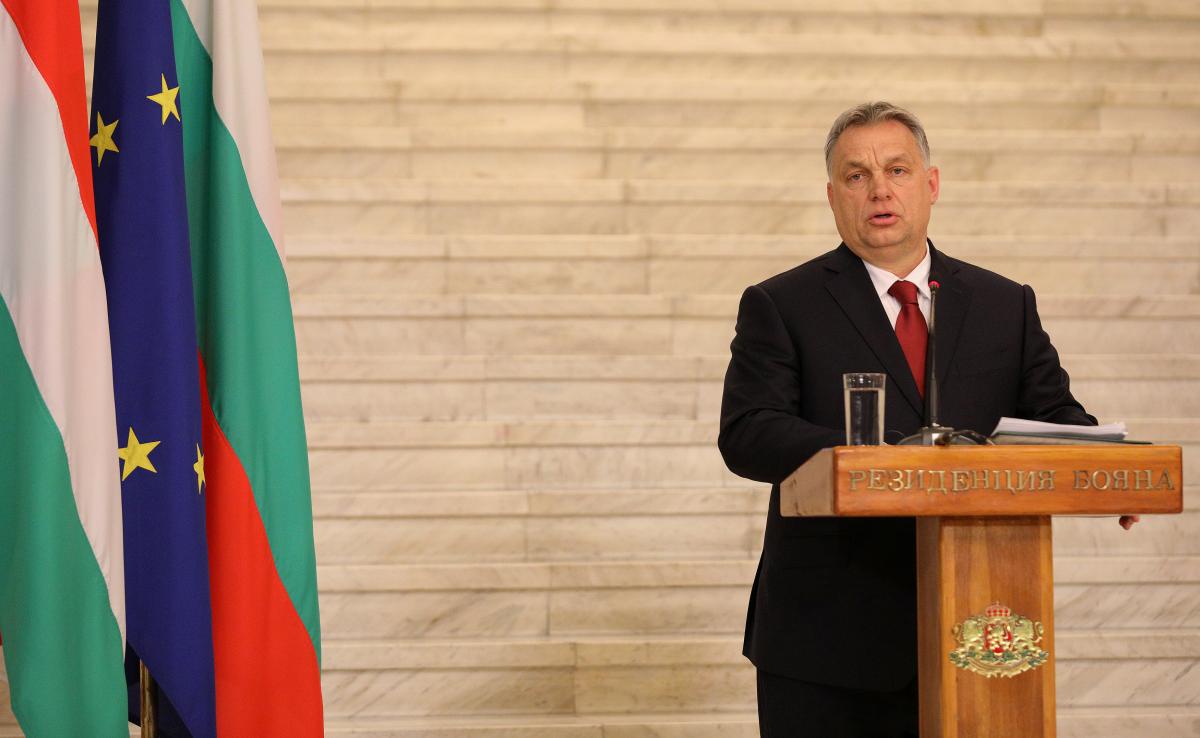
933, 434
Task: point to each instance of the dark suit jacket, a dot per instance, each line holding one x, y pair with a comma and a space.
834, 599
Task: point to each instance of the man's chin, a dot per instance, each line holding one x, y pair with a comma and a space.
885, 245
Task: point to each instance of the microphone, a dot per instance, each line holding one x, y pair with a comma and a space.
933, 434
931, 382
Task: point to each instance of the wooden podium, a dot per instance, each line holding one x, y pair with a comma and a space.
985, 580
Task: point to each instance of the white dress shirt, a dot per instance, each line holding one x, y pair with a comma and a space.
883, 281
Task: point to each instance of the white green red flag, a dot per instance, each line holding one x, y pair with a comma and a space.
266, 626
61, 576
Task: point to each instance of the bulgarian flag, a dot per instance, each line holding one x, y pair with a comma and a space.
266, 627
221, 596
62, 593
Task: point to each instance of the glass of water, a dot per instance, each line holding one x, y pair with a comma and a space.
864, 408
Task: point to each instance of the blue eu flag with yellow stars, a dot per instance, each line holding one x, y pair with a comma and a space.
138, 109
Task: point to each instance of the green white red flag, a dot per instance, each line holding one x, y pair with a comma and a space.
61, 566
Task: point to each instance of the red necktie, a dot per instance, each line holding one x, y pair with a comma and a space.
912, 330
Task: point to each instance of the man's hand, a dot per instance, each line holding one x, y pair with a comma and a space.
1127, 521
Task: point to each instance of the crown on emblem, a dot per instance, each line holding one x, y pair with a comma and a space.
996, 610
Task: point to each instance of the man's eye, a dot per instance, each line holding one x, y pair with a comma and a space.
897, 170
856, 177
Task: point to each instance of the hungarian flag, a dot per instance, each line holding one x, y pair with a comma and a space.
250, 464
62, 598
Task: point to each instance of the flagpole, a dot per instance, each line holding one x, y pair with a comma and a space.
149, 701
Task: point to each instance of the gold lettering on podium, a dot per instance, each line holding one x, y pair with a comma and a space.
1012, 481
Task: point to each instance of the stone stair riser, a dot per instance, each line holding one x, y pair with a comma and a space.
717, 688
557, 114
350, 275
398, 64
520, 467
732, 536
650, 336
673, 610
701, 18
1074, 221
549, 164
666, 399
357, 540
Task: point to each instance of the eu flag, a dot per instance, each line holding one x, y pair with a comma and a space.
141, 214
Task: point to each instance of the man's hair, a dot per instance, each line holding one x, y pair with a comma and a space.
870, 113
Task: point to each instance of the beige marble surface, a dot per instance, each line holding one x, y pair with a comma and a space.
317, 370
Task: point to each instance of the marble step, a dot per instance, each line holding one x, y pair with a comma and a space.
968, 19
392, 207
664, 537
508, 388
589, 433
639, 598
717, 154
690, 264
376, 528
392, 49
601, 454
378, 35
344, 274
681, 325
1073, 722
666, 368
727, 247
582, 30
657, 388
576, 399
696, 725
558, 104
1165, 9
1094, 668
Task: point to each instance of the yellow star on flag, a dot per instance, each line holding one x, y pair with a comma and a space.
103, 140
136, 455
199, 469
166, 99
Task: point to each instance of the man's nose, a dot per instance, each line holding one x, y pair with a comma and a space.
880, 188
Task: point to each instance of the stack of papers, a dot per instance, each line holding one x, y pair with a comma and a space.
1016, 430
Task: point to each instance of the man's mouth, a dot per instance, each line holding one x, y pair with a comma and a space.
882, 219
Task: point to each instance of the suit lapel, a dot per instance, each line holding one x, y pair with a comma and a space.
851, 287
953, 302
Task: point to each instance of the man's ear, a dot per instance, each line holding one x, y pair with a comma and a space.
829, 193
934, 184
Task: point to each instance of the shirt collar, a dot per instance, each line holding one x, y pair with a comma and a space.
883, 279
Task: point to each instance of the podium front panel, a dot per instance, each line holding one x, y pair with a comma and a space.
986, 481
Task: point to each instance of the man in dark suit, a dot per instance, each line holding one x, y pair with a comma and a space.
832, 619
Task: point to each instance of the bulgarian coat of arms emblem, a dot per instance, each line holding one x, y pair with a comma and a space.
998, 643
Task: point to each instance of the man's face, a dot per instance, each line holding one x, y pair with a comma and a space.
881, 194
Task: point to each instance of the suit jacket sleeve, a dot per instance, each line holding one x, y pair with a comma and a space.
762, 434
1045, 387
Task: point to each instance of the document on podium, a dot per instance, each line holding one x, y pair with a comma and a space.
1018, 431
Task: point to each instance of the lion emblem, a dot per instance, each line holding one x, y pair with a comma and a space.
998, 643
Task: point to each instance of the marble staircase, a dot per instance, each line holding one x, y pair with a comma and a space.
518, 234
518, 230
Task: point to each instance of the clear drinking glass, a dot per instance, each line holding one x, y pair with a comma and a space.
864, 408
